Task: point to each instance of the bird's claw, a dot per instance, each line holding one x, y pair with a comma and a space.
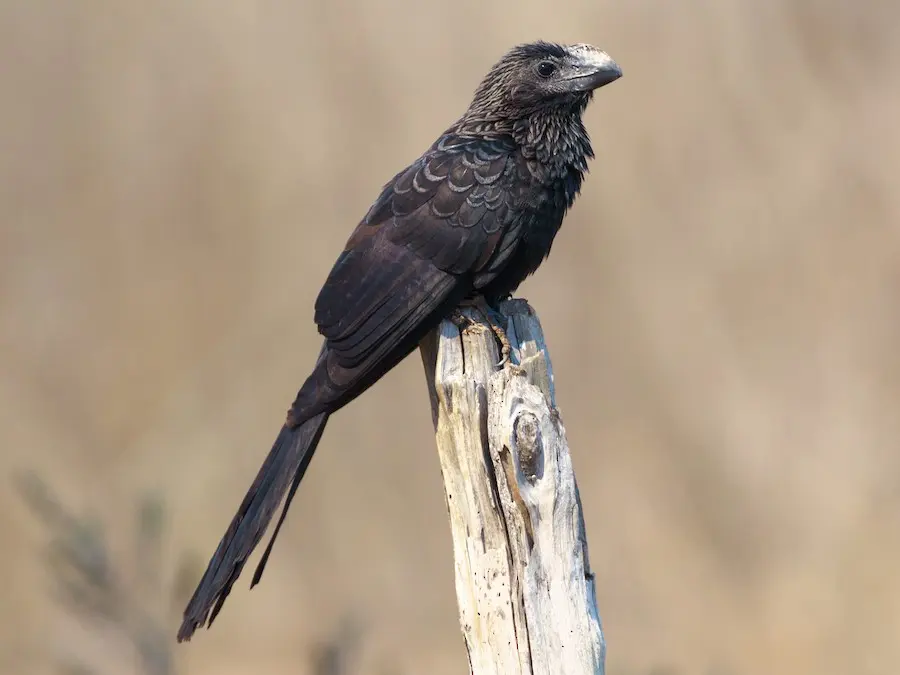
505, 347
462, 322
500, 334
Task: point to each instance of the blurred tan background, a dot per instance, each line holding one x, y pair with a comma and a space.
176, 179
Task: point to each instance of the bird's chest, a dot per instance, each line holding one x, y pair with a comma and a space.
540, 215
545, 207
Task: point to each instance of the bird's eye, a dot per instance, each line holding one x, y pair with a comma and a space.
546, 69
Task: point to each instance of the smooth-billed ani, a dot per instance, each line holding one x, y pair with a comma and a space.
467, 221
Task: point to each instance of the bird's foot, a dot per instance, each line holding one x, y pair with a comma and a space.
460, 320
482, 307
505, 347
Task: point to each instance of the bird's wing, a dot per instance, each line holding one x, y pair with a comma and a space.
438, 223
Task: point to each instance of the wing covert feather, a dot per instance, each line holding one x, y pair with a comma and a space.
436, 227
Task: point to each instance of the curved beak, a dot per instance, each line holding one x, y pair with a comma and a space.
592, 68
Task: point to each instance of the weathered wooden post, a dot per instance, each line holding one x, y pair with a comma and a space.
526, 596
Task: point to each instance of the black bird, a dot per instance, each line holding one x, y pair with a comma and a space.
467, 222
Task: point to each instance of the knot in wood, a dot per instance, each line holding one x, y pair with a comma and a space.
529, 446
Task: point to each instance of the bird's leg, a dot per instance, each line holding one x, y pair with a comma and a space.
480, 304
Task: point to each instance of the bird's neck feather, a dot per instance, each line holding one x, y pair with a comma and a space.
552, 140
556, 148
559, 142
557, 139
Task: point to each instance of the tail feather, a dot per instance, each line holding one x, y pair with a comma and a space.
281, 472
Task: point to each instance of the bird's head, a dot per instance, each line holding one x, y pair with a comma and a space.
538, 75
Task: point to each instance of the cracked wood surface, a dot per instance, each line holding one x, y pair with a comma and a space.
524, 586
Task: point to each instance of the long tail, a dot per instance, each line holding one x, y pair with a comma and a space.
281, 472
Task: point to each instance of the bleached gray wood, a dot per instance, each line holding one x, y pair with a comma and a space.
524, 587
